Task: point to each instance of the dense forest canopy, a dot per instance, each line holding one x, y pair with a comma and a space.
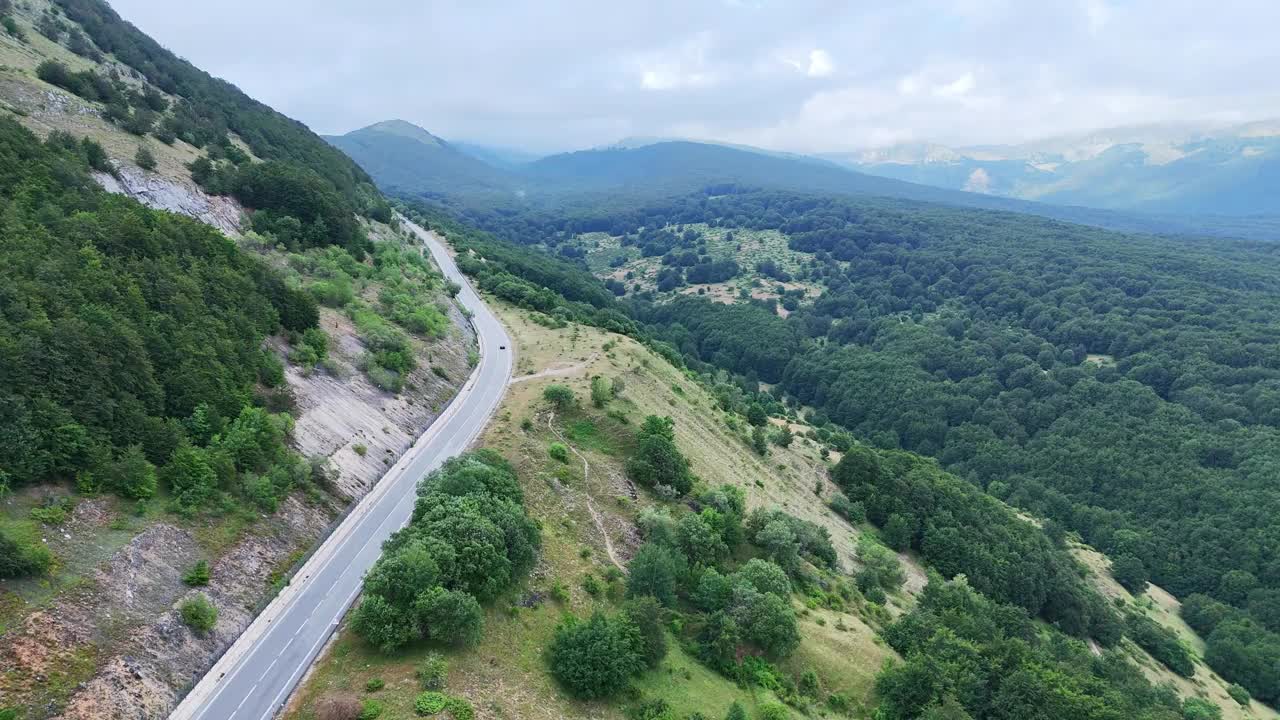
131, 340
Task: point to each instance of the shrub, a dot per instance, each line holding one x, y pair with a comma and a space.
370, 709
560, 397
198, 575
199, 614
1195, 708
53, 510
736, 712
559, 593
1239, 694
144, 158
430, 702
460, 708
774, 711
432, 672
652, 709
374, 685
21, 556
360, 449
558, 451
601, 392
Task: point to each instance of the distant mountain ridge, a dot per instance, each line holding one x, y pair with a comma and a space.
403, 157
1152, 169
409, 160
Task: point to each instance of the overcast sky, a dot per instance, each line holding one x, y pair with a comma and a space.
784, 74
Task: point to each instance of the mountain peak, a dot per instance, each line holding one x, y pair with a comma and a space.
402, 128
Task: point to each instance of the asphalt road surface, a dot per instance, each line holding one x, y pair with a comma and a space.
256, 676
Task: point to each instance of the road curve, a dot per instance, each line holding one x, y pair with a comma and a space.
257, 674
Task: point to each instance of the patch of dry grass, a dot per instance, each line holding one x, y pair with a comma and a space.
1164, 608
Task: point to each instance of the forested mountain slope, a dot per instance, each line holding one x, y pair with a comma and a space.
406, 158
184, 413
1120, 385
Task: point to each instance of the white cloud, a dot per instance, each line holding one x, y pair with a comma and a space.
683, 66
820, 63
959, 87
797, 75
1098, 14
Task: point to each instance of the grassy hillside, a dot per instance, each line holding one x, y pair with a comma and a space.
587, 507
1157, 604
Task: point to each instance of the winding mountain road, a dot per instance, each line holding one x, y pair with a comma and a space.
255, 677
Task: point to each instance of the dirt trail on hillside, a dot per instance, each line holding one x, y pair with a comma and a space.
591, 508
557, 371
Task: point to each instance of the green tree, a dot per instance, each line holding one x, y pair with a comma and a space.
132, 476
898, 532
700, 541
764, 577
766, 620
859, 466
601, 392
191, 478
756, 415
597, 658
1130, 572
384, 625
784, 437
657, 460
560, 396
400, 576
654, 571
779, 542
759, 441
449, 616
646, 615
1235, 585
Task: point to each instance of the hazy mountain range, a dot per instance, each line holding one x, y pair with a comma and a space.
1166, 180
1162, 169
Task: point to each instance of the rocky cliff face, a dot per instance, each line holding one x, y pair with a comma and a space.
173, 194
